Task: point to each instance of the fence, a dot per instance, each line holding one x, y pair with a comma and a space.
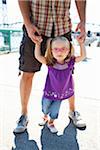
10, 40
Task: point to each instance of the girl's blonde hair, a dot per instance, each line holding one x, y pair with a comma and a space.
49, 56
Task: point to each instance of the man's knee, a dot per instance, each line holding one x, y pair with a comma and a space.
27, 76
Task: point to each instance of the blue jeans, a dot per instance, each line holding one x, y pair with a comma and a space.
51, 107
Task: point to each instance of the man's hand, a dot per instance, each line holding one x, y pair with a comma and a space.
34, 33
81, 27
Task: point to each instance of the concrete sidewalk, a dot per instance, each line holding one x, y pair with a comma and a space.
36, 138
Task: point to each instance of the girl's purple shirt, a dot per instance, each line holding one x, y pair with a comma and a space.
59, 82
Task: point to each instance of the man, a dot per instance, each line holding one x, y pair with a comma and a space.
42, 18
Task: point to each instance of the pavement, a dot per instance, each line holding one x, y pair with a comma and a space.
87, 85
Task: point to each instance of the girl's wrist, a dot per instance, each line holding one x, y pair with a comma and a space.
82, 44
38, 44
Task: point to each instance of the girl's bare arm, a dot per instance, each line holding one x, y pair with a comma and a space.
38, 55
82, 55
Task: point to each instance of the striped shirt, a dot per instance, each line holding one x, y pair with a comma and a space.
47, 12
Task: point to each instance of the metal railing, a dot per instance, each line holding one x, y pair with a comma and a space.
10, 39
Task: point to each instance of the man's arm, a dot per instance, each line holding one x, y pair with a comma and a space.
25, 9
81, 8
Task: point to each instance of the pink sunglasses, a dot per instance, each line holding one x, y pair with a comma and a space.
60, 49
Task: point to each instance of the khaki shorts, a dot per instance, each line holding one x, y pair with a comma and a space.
27, 61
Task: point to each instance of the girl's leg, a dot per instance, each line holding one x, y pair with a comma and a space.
45, 109
72, 103
51, 126
46, 103
51, 121
75, 115
54, 111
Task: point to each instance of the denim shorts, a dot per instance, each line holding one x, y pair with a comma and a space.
27, 60
51, 107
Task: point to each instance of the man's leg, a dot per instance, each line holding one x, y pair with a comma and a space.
28, 65
25, 90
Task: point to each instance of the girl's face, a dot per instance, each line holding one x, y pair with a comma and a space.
60, 50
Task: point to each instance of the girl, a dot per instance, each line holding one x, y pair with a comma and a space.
59, 84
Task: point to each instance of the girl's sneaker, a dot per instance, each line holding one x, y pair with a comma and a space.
44, 121
77, 120
52, 128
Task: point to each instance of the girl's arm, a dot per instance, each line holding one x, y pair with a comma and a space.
38, 55
82, 53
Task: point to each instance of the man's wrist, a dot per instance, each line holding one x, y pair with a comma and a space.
83, 25
83, 22
27, 23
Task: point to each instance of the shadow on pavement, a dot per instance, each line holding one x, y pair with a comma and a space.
22, 142
67, 141
49, 141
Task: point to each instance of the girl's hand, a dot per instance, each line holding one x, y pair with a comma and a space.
38, 42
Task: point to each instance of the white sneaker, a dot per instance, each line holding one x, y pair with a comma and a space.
43, 122
77, 120
52, 128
